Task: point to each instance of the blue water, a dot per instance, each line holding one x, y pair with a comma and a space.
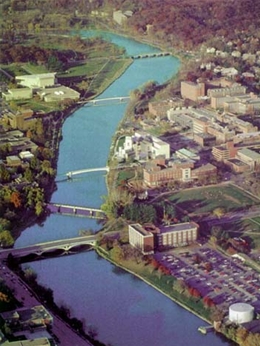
125, 310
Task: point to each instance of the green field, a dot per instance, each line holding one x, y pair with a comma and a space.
206, 199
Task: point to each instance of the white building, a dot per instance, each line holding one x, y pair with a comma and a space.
35, 81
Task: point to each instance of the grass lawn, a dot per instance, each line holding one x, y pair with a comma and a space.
125, 175
206, 199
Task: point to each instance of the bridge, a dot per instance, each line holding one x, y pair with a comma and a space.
86, 170
64, 245
106, 101
75, 210
150, 55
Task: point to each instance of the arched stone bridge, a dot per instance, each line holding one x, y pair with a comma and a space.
39, 249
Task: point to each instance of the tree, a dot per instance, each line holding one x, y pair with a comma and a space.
6, 239
5, 176
16, 199
219, 212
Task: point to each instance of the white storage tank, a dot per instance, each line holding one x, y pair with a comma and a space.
241, 313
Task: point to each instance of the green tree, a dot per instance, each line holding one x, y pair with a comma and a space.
5, 176
6, 239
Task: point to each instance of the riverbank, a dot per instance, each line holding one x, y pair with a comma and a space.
104, 254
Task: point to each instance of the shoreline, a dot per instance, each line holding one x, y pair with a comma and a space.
100, 252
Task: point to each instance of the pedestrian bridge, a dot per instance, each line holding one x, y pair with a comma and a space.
86, 170
64, 245
106, 101
75, 210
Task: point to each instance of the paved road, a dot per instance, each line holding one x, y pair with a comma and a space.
65, 335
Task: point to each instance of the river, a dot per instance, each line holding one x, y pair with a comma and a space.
124, 310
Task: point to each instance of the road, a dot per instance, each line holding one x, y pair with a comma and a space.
23, 293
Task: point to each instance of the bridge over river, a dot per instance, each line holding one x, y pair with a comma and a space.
106, 101
75, 210
86, 170
64, 245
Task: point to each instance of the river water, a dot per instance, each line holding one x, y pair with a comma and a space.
124, 310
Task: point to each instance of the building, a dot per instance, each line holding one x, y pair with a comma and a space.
31, 342
224, 152
121, 17
249, 157
192, 91
160, 108
158, 175
204, 139
13, 161
205, 171
176, 235
237, 166
141, 239
17, 94
241, 313
187, 154
200, 125
58, 94
27, 318
36, 81
21, 120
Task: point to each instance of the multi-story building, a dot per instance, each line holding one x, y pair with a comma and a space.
204, 139
160, 108
176, 235
192, 91
200, 125
249, 156
204, 171
147, 240
141, 239
157, 175
224, 152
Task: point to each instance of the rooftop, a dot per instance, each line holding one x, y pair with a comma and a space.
178, 227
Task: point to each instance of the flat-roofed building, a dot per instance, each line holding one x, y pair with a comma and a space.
204, 139
249, 156
200, 125
224, 152
17, 94
31, 342
141, 239
176, 235
58, 94
237, 166
27, 318
192, 91
207, 170
156, 175
187, 154
35, 81
13, 160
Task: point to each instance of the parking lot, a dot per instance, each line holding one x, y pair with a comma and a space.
225, 280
